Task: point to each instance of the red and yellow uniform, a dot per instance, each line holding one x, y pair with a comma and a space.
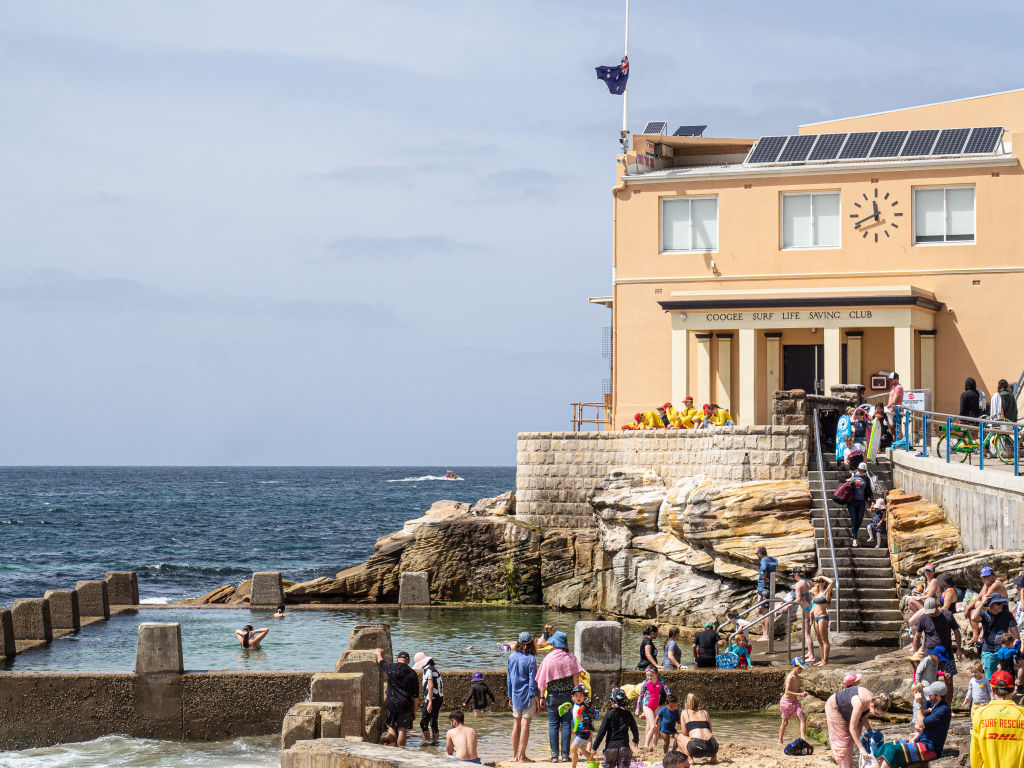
997, 735
719, 417
652, 420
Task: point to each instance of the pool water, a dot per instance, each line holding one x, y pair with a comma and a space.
311, 640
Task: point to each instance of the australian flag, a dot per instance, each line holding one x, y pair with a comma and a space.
615, 77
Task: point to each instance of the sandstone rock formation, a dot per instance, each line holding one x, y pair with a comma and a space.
919, 533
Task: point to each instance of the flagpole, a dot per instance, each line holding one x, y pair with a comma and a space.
625, 96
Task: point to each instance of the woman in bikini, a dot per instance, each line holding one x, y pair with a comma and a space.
250, 638
698, 741
821, 598
802, 592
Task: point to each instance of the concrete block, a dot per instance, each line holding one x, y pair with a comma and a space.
32, 619
93, 599
371, 636
7, 643
64, 615
158, 649
305, 721
331, 725
598, 645
267, 590
414, 588
364, 663
346, 687
122, 587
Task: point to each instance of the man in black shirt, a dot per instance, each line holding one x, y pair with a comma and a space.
937, 628
705, 646
403, 691
994, 622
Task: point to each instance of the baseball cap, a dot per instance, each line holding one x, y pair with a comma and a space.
940, 652
402, 655
709, 624
1001, 679
525, 637
851, 678
928, 567
579, 689
688, 399
938, 688
863, 466
667, 405
931, 606
987, 570
798, 661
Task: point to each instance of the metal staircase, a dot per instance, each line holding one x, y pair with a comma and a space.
867, 598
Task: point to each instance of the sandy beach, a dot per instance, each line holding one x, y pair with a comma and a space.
734, 755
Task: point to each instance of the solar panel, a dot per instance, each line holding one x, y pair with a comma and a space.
690, 130
888, 144
656, 127
797, 149
766, 149
827, 146
857, 145
983, 140
919, 143
951, 141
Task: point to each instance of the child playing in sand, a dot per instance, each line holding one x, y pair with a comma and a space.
479, 694
668, 718
582, 725
789, 704
461, 740
979, 690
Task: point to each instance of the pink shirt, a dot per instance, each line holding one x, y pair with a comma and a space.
896, 394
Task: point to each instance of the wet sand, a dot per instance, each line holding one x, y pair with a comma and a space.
732, 755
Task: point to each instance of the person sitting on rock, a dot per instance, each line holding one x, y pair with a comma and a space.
990, 585
931, 724
930, 589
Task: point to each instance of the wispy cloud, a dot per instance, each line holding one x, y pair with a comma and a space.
410, 248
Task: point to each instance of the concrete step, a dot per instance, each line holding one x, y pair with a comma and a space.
846, 573
870, 583
841, 539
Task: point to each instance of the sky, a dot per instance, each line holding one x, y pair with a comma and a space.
344, 233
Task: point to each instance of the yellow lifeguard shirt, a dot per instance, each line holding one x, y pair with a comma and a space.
997, 735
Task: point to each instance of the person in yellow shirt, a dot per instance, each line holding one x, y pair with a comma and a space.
688, 414
675, 419
997, 728
652, 420
721, 417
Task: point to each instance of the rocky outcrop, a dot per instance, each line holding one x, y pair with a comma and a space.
919, 532
215, 596
502, 505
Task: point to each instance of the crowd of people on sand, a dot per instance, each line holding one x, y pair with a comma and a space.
667, 416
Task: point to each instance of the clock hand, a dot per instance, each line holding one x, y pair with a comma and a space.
869, 216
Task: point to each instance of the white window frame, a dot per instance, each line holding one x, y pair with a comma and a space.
661, 223
782, 220
945, 188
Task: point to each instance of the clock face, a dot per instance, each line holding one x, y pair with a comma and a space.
876, 215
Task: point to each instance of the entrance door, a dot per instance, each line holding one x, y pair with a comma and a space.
803, 367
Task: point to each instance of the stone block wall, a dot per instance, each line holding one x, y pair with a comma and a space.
557, 471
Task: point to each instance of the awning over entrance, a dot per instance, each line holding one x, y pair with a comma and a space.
722, 315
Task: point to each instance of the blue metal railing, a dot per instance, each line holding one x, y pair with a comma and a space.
1003, 437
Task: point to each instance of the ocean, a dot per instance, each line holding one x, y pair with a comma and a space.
187, 530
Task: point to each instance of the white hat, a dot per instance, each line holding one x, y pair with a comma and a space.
863, 466
421, 660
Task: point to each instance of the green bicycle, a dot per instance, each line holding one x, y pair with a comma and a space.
965, 445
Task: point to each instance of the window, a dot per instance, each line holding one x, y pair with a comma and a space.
811, 220
944, 215
689, 224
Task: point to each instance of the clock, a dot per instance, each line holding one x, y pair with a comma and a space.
876, 215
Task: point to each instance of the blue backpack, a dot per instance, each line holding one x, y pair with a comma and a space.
798, 747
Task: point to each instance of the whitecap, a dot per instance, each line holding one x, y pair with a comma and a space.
155, 601
426, 477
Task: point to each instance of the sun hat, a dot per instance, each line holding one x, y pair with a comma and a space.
477, 677
940, 652
798, 661
560, 640
852, 678
1001, 679
931, 606
525, 637
420, 660
917, 657
938, 688
987, 570
996, 598
402, 655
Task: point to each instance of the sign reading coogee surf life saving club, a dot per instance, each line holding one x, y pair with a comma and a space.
795, 318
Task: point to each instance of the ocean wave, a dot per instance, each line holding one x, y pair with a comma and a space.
10, 522
155, 600
186, 568
424, 478
269, 482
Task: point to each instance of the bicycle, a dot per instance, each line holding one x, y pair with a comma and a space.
997, 442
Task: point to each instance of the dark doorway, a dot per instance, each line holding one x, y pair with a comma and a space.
803, 367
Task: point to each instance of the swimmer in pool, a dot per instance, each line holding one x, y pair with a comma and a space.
280, 612
250, 638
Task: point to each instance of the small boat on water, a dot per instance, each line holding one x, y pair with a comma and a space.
449, 475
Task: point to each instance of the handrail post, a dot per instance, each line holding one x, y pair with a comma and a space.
981, 445
1016, 451
771, 621
949, 438
924, 433
828, 520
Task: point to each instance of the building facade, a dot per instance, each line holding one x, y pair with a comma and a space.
887, 242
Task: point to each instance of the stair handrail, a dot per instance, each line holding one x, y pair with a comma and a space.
828, 520
782, 606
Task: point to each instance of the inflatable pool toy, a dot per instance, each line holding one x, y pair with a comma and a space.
727, 660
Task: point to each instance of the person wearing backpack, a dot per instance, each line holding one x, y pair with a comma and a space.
861, 496
766, 567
